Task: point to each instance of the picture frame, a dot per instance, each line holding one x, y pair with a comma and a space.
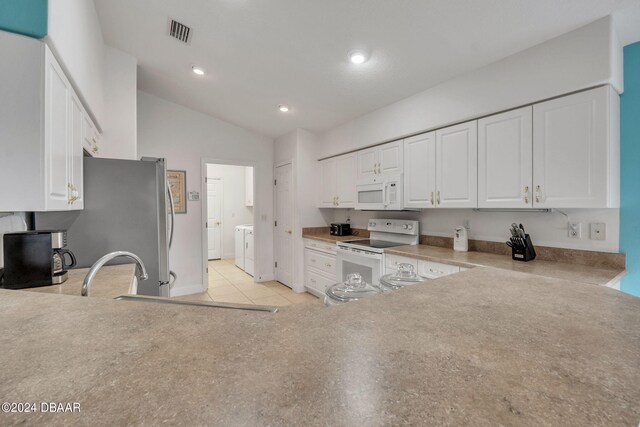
177, 181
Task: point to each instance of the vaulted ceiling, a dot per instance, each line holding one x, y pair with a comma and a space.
258, 54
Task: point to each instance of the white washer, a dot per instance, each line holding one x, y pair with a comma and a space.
240, 231
248, 250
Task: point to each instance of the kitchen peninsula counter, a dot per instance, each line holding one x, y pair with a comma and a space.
110, 282
486, 346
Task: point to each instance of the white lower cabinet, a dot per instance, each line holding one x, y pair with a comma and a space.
433, 270
42, 130
391, 263
319, 266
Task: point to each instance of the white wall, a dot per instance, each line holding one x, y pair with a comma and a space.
546, 229
583, 58
234, 209
300, 147
76, 38
184, 137
119, 137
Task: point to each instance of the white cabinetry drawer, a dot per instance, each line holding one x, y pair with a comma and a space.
321, 246
434, 270
391, 263
320, 261
318, 282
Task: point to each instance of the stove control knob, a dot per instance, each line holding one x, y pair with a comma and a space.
372, 224
405, 227
410, 227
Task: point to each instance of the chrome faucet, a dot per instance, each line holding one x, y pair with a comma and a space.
141, 271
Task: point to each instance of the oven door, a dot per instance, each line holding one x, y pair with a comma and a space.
368, 264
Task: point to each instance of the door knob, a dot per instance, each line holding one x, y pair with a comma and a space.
289, 231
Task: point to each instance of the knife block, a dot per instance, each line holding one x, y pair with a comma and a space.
524, 253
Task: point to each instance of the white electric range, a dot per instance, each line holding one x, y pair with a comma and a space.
367, 256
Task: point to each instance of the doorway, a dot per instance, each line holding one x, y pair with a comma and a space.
229, 206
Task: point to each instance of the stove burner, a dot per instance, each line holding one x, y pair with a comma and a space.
377, 244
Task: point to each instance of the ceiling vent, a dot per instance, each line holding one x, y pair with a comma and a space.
180, 31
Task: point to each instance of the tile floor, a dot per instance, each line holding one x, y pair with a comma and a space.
227, 283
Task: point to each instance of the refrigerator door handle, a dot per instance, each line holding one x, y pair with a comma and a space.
173, 215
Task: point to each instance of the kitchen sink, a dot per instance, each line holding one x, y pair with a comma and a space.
161, 300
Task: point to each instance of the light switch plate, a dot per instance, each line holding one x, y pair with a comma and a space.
598, 231
194, 196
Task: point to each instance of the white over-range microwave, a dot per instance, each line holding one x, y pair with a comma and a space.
382, 194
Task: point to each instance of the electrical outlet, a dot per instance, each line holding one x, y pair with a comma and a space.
598, 231
575, 230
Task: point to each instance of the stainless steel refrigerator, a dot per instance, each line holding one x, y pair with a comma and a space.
127, 207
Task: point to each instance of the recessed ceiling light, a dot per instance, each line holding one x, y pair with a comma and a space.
283, 108
197, 70
357, 56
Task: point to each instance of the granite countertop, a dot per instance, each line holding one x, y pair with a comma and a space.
558, 270
326, 237
483, 347
110, 282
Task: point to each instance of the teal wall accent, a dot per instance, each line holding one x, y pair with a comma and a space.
630, 169
28, 17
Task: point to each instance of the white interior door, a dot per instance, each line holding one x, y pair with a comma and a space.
284, 225
214, 217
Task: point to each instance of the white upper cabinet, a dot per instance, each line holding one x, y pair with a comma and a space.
41, 130
391, 158
327, 183
505, 160
346, 177
457, 166
57, 132
382, 159
368, 164
248, 186
76, 190
576, 151
420, 171
338, 177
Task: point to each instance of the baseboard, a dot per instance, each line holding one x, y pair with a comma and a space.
179, 291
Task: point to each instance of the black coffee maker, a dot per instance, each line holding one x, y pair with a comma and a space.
36, 258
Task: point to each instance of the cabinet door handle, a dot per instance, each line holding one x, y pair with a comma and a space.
312, 280
538, 194
326, 264
438, 197
526, 194
432, 198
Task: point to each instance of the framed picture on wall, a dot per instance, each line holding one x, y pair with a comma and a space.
177, 181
